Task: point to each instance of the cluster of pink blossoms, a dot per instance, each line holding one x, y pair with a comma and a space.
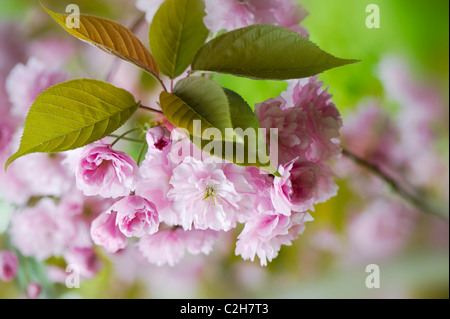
175, 202
170, 204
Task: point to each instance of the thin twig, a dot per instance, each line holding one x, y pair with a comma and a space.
413, 199
148, 108
128, 139
122, 136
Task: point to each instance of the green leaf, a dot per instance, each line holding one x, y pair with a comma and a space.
243, 117
264, 52
73, 114
112, 38
197, 98
177, 32
241, 113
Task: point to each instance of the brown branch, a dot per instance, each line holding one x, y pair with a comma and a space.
148, 108
412, 198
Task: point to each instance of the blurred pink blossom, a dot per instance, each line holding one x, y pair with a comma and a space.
26, 82
381, 230
149, 7
47, 229
234, 14
86, 259
9, 264
264, 234
168, 246
33, 290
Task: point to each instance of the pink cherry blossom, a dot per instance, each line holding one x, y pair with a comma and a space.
9, 265
264, 234
33, 290
106, 233
234, 14
302, 185
26, 82
168, 246
45, 174
293, 136
45, 230
105, 172
86, 259
158, 139
323, 119
136, 216
371, 133
209, 195
381, 230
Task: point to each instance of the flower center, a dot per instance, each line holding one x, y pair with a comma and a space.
161, 144
210, 192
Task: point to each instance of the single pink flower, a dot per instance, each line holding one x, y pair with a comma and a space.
106, 233
86, 259
136, 216
45, 230
45, 175
159, 139
302, 185
323, 119
33, 290
265, 233
9, 264
293, 136
234, 14
105, 172
26, 82
210, 195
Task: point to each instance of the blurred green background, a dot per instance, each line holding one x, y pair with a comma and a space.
416, 30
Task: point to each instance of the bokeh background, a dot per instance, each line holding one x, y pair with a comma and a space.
403, 74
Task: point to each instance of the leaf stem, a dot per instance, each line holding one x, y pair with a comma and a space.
141, 152
150, 109
118, 138
413, 199
128, 139
161, 82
